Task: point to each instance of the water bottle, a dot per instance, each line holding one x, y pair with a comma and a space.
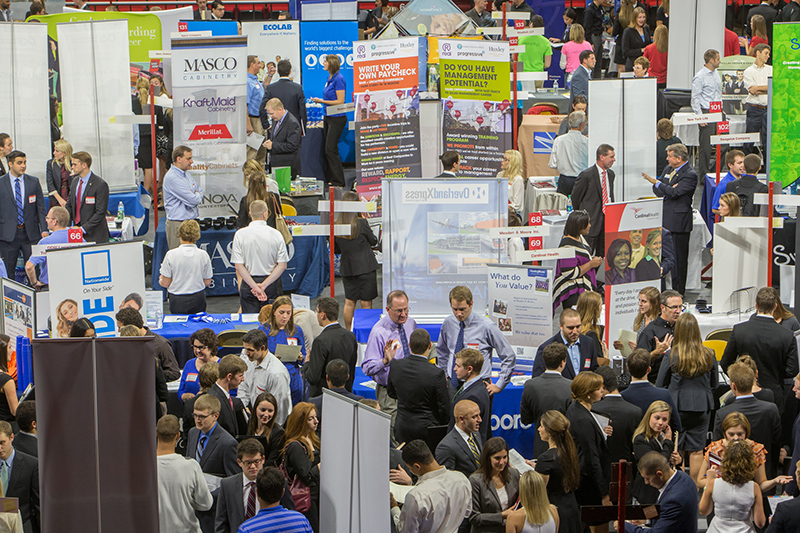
120, 215
569, 205
555, 86
159, 318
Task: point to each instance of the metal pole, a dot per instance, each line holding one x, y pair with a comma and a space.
330, 224
154, 192
769, 233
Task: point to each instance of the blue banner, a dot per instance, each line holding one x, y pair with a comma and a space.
318, 39
216, 27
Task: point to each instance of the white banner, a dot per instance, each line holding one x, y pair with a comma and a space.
92, 282
24, 89
273, 40
209, 109
95, 86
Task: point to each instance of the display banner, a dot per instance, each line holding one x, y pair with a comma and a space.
273, 40
521, 304
386, 83
19, 311
436, 236
92, 282
734, 93
633, 261
218, 28
474, 70
785, 130
24, 88
317, 40
209, 77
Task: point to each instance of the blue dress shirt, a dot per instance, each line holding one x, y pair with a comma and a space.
574, 351
255, 93
706, 88
182, 195
57, 237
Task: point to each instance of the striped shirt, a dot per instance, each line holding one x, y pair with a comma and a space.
276, 520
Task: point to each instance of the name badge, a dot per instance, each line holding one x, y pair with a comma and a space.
89, 200
191, 377
291, 341
32, 199
587, 363
473, 345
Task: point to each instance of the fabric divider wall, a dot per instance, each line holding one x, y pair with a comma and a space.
687, 46
740, 242
626, 109
95, 89
24, 89
97, 445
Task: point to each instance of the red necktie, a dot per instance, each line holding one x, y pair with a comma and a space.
231, 402
78, 201
604, 184
250, 512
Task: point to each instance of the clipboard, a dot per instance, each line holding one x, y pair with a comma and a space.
287, 354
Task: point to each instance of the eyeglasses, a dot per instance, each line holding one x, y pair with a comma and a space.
403, 311
200, 417
254, 462
674, 307
198, 348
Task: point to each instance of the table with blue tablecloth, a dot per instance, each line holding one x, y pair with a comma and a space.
306, 273
178, 333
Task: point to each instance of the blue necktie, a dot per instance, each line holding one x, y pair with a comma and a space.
459, 347
20, 205
201, 446
403, 340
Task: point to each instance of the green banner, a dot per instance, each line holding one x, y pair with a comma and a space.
144, 29
474, 70
784, 155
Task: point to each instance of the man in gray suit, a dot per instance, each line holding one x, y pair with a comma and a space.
582, 75
233, 490
461, 448
548, 391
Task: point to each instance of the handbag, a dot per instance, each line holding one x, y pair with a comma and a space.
280, 223
301, 493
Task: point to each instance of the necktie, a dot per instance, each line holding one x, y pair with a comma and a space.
230, 400
78, 202
458, 393
473, 446
403, 340
20, 205
604, 184
4, 476
459, 347
201, 446
575, 356
250, 512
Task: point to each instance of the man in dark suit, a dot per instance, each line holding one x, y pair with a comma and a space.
747, 186
678, 499
27, 440
420, 389
764, 418
333, 342
546, 392
451, 163
467, 366
582, 75
461, 448
22, 205
771, 346
677, 186
19, 473
288, 92
336, 376
625, 416
285, 138
642, 393
593, 190
202, 12
656, 337
581, 352
786, 516
88, 200
231, 413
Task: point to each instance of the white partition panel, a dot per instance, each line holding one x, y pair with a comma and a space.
622, 113
372, 486
24, 87
337, 454
96, 88
697, 34
740, 243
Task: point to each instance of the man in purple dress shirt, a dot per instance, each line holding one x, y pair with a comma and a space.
395, 327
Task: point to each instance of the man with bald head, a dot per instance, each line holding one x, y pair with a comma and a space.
461, 448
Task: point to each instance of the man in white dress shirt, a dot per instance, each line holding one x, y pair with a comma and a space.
265, 373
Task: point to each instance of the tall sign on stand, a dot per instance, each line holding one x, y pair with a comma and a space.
686, 47
209, 77
784, 131
274, 40
476, 106
386, 86
24, 90
633, 260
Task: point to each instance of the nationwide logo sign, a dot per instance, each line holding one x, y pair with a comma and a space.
211, 131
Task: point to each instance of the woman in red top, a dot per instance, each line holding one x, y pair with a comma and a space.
759, 27
656, 53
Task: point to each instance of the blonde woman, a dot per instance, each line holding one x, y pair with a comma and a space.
654, 434
145, 155
635, 37
511, 168
59, 172
572, 49
537, 513
589, 306
649, 309
729, 205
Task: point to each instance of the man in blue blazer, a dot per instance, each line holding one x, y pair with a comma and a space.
22, 212
582, 75
677, 187
582, 354
677, 498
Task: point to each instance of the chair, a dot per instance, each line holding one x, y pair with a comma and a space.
719, 335
231, 337
289, 210
718, 347
544, 108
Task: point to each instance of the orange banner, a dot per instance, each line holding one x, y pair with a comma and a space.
385, 74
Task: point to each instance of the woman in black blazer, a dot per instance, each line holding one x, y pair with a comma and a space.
495, 489
359, 266
558, 465
691, 377
595, 460
635, 37
262, 424
59, 173
654, 434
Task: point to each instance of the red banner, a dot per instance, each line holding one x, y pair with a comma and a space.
212, 131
